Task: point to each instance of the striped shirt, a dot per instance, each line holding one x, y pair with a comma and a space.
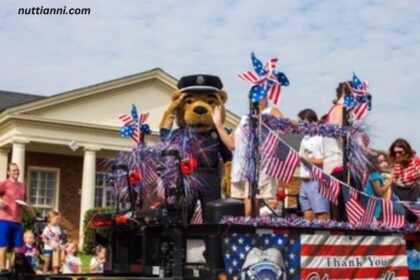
407, 175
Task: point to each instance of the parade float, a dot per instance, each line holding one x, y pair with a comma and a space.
171, 222
229, 246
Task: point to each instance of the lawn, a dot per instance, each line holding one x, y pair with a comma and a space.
85, 261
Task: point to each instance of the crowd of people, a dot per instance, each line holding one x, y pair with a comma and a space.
49, 251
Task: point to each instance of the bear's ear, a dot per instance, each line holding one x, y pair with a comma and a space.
223, 95
175, 95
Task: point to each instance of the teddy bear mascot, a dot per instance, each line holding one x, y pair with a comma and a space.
195, 136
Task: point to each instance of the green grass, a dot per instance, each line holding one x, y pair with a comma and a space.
85, 261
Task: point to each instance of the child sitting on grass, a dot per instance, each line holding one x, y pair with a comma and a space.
97, 262
72, 263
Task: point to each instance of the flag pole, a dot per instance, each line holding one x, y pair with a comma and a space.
253, 189
346, 146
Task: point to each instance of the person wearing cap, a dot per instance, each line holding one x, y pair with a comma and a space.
191, 108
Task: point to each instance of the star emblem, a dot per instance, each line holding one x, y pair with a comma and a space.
292, 270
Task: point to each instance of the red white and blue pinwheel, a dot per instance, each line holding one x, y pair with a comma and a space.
360, 101
134, 126
266, 81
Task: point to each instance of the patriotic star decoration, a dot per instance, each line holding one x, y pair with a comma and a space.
360, 101
134, 125
266, 81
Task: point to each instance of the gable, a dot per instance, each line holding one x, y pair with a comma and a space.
101, 104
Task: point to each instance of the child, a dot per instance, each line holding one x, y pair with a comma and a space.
314, 206
97, 262
375, 185
52, 236
29, 248
72, 263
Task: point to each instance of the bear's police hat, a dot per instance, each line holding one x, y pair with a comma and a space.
200, 83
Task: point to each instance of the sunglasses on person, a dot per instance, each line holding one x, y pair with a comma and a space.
399, 152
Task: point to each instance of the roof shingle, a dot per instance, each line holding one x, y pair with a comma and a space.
10, 99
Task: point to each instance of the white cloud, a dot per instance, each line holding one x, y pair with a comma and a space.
319, 43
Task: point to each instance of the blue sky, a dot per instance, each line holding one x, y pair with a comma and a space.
319, 43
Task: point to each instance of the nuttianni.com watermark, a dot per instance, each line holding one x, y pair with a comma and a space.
53, 11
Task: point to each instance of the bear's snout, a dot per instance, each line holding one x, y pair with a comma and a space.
200, 110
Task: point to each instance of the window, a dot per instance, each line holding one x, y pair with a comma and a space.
103, 191
43, 188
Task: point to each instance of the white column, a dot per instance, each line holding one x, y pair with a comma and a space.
18, 157
88, 186
3, 163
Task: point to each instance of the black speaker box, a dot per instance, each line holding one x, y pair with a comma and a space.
216, 209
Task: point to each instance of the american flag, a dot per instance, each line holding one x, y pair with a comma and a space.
370, 210
413, 207
393, 214
266, 80
278, 159
329, 187
359, 88
353, 257
197, 217
237, 250
150, 175
354, 209
360, 208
